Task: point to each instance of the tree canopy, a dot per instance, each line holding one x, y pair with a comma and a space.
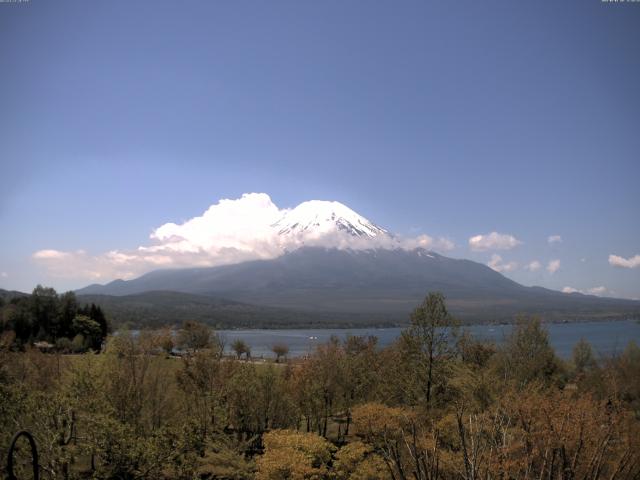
47, 316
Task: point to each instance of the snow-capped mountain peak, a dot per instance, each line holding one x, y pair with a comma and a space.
317, 218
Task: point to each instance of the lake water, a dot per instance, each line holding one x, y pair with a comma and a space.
605, 337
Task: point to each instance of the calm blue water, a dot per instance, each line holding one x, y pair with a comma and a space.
605, 337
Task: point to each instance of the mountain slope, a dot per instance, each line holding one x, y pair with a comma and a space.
381, 283
8, 295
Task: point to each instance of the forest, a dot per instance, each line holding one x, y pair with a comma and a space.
437, 404
52, 321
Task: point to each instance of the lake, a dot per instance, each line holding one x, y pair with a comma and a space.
606, 337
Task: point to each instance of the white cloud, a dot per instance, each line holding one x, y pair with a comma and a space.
554, 239
4, 274
631, 262
493, 241
442, 244
533, 266
79, 264
601, 290
498, 265
230, 231
425, 241
553, 266
50, 255
598, 291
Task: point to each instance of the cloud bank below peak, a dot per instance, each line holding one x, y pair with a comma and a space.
597, 291
230, 231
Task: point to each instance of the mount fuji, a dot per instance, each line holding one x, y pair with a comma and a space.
315, 219
336, 264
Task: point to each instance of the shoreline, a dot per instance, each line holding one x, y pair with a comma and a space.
404, 325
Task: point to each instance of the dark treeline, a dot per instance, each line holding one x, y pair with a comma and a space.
437, 404
53, 319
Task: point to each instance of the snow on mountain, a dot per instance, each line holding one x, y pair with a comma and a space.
329, 224
237, 230
315, 219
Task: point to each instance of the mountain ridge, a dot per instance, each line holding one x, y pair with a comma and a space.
384, 282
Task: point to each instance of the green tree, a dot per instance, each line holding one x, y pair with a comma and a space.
96, 313
528, 355
18, 319
429, 341
44, 309
281, 350
90, 331
195, 336
240, 347
583, 356
67, 311
78, 344
63, 344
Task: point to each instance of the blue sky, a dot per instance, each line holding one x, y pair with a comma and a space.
452, 119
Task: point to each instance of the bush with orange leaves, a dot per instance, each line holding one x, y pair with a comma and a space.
358, 461
293, 455
402, 438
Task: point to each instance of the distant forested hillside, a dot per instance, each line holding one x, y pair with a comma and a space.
156, 308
